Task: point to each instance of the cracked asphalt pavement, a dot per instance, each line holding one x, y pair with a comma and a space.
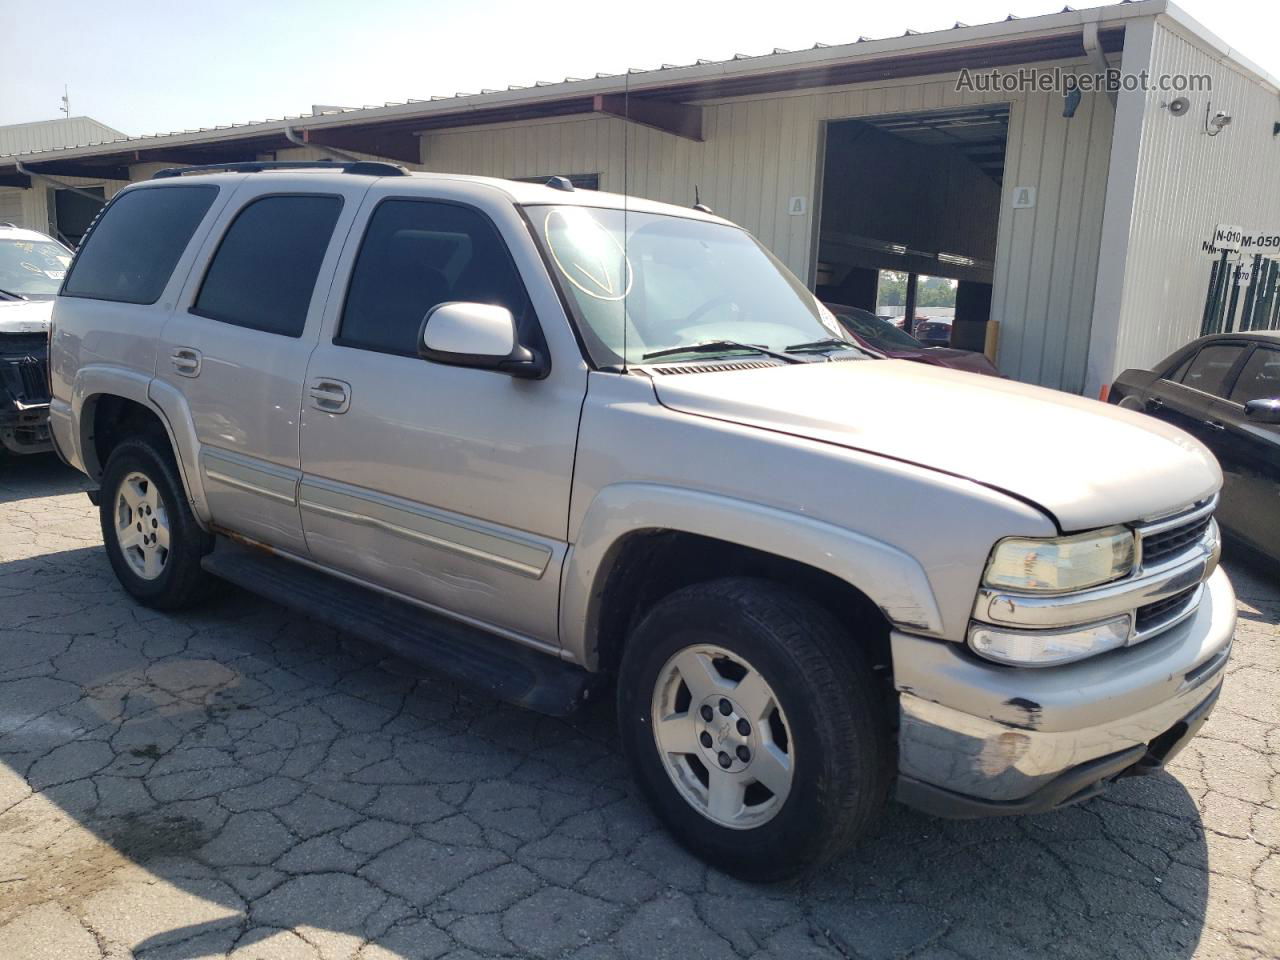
239, 782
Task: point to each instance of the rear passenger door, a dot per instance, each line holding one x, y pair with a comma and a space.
1250, 455
1186, 396
238, 341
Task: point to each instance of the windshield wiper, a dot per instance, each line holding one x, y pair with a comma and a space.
825, 344
712, 346
11, 295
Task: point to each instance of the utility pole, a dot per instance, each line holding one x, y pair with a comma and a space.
66, 101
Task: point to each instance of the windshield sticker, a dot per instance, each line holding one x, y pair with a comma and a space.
588, 255
829, 319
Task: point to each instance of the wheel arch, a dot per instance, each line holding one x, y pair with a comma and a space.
109, 405
638, 542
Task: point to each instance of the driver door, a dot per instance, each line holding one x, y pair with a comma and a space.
446, 484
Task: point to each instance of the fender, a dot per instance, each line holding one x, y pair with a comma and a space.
894, 580
96, 380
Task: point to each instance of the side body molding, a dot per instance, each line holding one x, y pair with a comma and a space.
893, 580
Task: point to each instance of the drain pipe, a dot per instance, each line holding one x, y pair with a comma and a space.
44, 177
1093, 49
292, 136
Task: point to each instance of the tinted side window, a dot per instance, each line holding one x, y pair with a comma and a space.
265, 269
133, 249
1260, 378
1208, 371
417, 254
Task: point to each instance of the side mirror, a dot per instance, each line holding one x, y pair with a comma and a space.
1263, 411
478, 335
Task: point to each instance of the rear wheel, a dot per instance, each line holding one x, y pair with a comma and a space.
754, 727
152, 539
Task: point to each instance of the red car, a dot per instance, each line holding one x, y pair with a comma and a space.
883, 337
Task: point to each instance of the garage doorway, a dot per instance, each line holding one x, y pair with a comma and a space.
911, 203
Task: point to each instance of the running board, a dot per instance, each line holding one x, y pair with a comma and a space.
468, 655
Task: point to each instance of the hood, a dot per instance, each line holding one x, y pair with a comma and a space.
1084, 462
949, 357
25, 316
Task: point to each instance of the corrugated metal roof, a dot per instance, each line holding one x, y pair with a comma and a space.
44, 135
740, 75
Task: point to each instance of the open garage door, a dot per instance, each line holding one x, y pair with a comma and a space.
909, 220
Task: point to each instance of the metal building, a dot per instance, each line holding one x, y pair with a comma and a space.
1080, 226
52, 209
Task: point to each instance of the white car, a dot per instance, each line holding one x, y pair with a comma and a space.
32, 266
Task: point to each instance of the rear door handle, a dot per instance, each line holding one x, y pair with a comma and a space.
331, 396
186, 361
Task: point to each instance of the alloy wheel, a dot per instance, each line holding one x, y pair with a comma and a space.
723, 737
142, 526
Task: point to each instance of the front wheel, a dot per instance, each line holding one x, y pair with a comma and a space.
152, 539
754, 727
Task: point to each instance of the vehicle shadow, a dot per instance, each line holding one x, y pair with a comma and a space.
235, 777
36, 475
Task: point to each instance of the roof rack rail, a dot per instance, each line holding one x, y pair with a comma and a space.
361, 168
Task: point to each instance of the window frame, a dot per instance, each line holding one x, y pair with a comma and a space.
337, 338
222, 238
93, 227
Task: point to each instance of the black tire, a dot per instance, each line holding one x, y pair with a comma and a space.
834, 708
182, 581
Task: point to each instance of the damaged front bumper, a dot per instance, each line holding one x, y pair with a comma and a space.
980, 739
24, 393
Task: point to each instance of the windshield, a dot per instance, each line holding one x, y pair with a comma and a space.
32, 269
680, 283
879, 333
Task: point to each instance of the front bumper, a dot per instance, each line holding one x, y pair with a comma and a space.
977, 738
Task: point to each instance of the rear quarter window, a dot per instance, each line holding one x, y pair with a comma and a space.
130, 254
1209, 371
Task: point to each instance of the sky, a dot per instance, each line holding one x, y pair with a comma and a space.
149, 68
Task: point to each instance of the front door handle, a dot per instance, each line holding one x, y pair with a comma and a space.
1215, 425
186, 361
1154, 403
331, 396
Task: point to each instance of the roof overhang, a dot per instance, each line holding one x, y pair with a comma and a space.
662, 98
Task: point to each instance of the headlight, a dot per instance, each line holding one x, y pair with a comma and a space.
1061, 564
1047, 648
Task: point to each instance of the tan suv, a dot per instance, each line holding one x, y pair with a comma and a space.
542, 439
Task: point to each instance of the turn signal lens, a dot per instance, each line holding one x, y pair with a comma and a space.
1062, 564
1047, 648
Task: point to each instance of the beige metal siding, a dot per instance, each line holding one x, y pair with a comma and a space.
11, 206
1188, 182
759, 152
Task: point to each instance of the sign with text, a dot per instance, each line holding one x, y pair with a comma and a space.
1240, 240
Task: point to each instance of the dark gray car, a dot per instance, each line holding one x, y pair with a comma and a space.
1224, 390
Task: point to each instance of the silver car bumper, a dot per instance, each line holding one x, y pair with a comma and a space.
977, 738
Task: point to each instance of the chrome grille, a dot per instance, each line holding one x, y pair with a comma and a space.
35, 380
1169, 543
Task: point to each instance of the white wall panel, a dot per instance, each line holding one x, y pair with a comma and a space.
1187, 183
